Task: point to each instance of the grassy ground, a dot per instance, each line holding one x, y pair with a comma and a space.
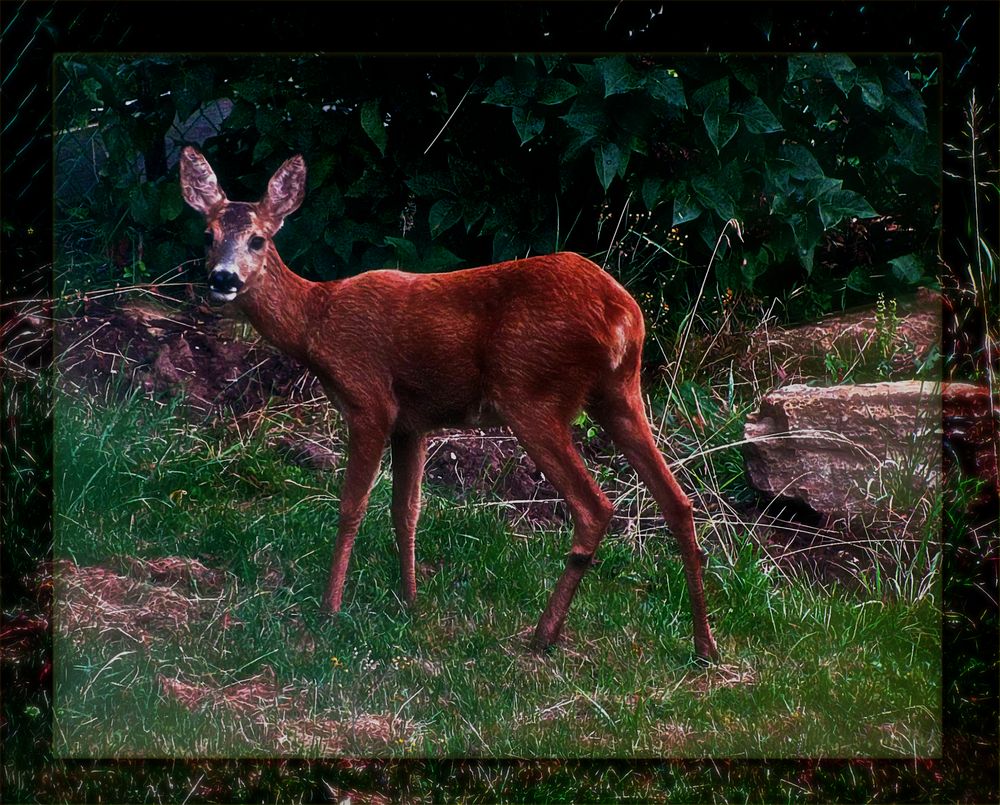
190, 565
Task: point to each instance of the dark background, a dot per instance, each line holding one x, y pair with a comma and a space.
964, 33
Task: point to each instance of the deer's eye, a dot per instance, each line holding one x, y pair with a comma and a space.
209, 239
256, 243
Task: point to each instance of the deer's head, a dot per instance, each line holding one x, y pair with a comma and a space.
238, 233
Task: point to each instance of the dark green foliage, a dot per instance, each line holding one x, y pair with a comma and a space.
435, 163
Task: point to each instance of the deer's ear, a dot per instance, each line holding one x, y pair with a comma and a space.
286, 189
198, 183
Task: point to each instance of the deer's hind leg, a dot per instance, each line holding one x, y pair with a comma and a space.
622, 414
545, 435
408, 453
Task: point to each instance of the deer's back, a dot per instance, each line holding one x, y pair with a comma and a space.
456, 347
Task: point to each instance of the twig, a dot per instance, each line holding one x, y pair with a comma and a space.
453, 111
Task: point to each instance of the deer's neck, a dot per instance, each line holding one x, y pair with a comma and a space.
277, 305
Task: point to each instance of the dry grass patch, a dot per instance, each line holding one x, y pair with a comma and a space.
130, 605
282, 716
723, 676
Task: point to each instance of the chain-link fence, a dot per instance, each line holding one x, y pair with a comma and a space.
81, 154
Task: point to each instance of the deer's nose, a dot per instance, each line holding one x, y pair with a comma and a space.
224, 281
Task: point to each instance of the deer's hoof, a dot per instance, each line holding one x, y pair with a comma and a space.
329, 608
707, 653
544, 639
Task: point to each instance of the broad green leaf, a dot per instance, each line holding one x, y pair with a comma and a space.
910, 110
586, 118
329, 200
746, 72
171, 203
510, 92
842, 70
834, 66
909, 268
269, 122
712, 103
904, 100
859, 280
816, 189
757, 118
369, 185
194, 89
754, 265
731, 177
554, 90
528, 124
914, 152
804, 66
305, 115
711, 96
685, 208
144, 205
430, 184
263, 149
610, 161
800, 162
405, 251
721, 128
341, 237
667, 87
577, 143
652, 191
713, 195
372, 123
619, 76
241, 116
443, 215
91, 87
319, 169
807, 230
473, 209
551, 61
508, 246
871, 90
836, 205
438, 258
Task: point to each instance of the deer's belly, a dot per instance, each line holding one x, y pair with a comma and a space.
431, 413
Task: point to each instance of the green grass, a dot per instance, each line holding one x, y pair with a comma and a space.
805, 672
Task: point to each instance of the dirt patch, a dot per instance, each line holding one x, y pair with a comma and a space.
491, 463
191, 352
800, 545
176, 571
246, 697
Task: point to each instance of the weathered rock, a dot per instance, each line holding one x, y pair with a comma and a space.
971, 419
848, 451
851, 338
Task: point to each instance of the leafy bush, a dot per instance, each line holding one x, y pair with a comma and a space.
829, 163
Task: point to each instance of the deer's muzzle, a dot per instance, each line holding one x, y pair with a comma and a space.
223, 284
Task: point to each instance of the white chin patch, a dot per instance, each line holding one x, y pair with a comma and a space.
217, 296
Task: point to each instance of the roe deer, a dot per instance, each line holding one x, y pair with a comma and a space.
527, 343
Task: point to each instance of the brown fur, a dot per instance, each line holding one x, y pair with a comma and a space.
527, 343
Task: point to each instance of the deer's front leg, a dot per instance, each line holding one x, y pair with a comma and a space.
365, 443
408, 453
